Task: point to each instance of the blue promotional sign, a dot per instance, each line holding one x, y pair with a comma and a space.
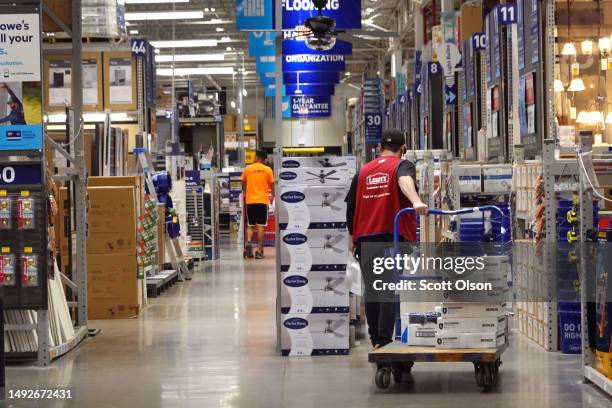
313, 62
373, 127
254, 15
450, 94
286, 105
434, 68
266, 80
297, 90
16, 174
479, 41
271, 89
347, 13
139, 47
520, 31
534, 31
265, 64
21, 137
417, 71
192, 178
507, 14
261, 43
293, 47
317, 106
318, 77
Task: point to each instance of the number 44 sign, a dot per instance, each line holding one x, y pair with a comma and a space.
139, 47
507, 14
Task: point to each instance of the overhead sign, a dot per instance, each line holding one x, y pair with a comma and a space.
373, 127
270, 90
319, 77
20, 47
261, 43
298, 46
507, 14
313, 62
139, 47
434, 68
265, 64
316, 106
254, 14
297, 90
347, 13
20, 174
266, 80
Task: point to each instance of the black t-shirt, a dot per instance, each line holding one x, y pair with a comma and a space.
405, 168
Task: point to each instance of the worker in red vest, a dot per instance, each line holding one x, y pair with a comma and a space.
380, 189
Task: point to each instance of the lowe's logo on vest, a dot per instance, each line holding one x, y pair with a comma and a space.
288, 175
295, 281
293, 197
377, 179
296, 323
295, 239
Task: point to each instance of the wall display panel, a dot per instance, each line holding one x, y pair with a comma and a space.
120, 81
58, 82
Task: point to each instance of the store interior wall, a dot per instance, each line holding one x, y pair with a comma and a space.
315, 132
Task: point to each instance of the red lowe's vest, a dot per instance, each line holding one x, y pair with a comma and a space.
379, 198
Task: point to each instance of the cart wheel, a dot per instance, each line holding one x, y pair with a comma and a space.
488, 376
383, 378
408, 367
397, 370
479, 375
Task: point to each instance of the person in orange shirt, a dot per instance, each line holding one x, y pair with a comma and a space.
257, 183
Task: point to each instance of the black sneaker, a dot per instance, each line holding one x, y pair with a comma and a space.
248, 252
259, 255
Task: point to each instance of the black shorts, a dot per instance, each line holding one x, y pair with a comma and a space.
257, 214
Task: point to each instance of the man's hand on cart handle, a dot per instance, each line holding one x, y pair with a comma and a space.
420, 208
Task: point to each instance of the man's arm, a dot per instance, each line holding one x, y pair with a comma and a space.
271, 183
12, 94
406, 177
351, 202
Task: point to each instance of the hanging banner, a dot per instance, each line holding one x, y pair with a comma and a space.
318, 77
265, 64
270, 90
254, 14
317, 106
534, 31
298, 46
347, 13
297, 90
21, 89
261, 43
309, 62
266, 80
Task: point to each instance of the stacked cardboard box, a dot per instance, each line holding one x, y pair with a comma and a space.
472, 325
103, 18
314, 254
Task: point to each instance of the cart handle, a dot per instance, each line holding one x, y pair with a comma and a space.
436, 211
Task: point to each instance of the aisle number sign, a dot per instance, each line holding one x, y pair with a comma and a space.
479, 41
507, 14
373, 127
139, 47
434, 68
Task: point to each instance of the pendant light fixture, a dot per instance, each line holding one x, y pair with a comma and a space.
586, 47
576, 85
568, 49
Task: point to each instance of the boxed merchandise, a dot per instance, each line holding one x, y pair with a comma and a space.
315, 334
419, 329
301, 207
497, 178
603, 363
112, 220
314, 250
467, 309
349, 162
340, 176
470, 178
470, 340
112, 286
472, 324
316, 292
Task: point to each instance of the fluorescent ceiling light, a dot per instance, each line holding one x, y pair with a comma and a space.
184, 43
154, 1
225, 39
220, 29
133, 32
196, 71
164, 15
190, 57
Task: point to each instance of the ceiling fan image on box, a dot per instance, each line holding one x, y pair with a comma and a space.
322, 177
331, 286
329, 200
331, 241
326, 163
331, 328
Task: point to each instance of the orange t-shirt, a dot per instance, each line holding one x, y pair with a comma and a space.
259, 179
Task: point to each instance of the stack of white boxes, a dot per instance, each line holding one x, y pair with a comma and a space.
466, 324
103, 18
314, 251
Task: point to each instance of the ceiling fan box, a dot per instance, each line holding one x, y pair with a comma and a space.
304, 251
310, 176
307, 337
348, 162
305, 292
304, 207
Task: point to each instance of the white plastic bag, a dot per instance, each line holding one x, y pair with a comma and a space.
353, 276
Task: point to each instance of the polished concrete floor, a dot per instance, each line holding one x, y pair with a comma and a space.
210, 342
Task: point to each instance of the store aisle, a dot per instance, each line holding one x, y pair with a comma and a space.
211, 343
